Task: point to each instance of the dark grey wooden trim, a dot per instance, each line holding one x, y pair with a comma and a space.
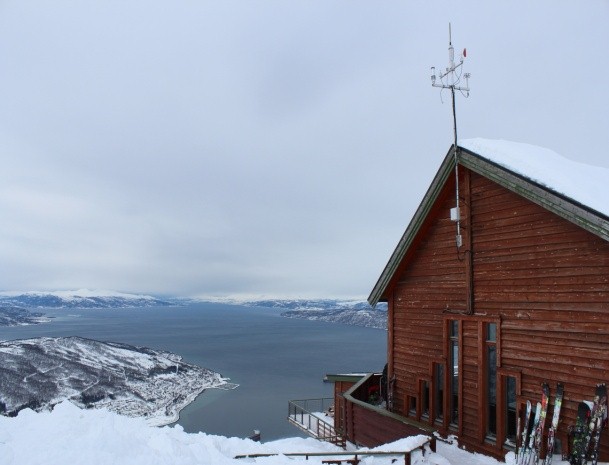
346, 377
557, 203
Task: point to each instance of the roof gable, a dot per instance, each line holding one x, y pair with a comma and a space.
540, 175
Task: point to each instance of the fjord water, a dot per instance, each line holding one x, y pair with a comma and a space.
273, 359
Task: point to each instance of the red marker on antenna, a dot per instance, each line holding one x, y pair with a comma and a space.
464, 52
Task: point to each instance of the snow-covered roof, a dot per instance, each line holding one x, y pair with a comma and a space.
587, 185
571, 190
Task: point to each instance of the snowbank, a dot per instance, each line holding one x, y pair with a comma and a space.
71, 436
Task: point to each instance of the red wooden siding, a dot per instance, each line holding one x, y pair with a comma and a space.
433, 281
369, 429
340, 413
370, 425
548, 280
544, 280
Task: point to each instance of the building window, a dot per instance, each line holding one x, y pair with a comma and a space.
491, 379
424, 386
453, 367
510, 411
411, 401
438, 393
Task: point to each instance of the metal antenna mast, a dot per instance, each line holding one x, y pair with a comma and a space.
451, 79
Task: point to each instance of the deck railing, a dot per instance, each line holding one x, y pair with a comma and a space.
336, 457
312, 415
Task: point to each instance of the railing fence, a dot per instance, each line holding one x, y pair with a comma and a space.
310, 415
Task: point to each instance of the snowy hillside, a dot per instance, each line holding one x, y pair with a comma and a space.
83, 298
134, 381
367, 318
70, 436
308, 304
16, 316
350, 312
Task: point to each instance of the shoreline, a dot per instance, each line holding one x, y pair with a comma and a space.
224, 385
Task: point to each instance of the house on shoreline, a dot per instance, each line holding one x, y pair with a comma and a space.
500, 283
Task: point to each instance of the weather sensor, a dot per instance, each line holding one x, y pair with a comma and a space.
451, 79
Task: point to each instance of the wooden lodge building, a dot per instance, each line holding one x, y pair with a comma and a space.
475, 328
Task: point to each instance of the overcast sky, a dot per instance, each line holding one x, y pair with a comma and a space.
272, 148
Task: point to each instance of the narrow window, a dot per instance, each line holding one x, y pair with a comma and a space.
438, 394
510, 414
453, 361
491, 380
412, 406
425, 400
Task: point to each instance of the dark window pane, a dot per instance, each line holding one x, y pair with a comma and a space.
491, 369
510, 402
454, 328
491, 332
439, 392
454, 382
425, 400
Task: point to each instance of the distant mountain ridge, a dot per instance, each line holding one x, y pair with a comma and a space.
345, 311
83, 298
367, 318
350, 312
309, 304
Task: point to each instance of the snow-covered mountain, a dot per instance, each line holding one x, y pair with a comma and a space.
83, 298
367, 318
350, 312
308, 304
17, 316
134, 381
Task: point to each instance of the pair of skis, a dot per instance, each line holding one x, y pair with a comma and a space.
588, 428
532, 434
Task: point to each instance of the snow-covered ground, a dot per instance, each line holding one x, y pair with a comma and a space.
71, 436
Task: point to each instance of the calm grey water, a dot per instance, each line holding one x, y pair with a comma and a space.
272, 358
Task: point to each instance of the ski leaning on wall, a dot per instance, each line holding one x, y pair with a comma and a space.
554, 424
530, 450
579, 432
585, 434
528, 446
588, 428
542, 422
601, 420
523, 432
